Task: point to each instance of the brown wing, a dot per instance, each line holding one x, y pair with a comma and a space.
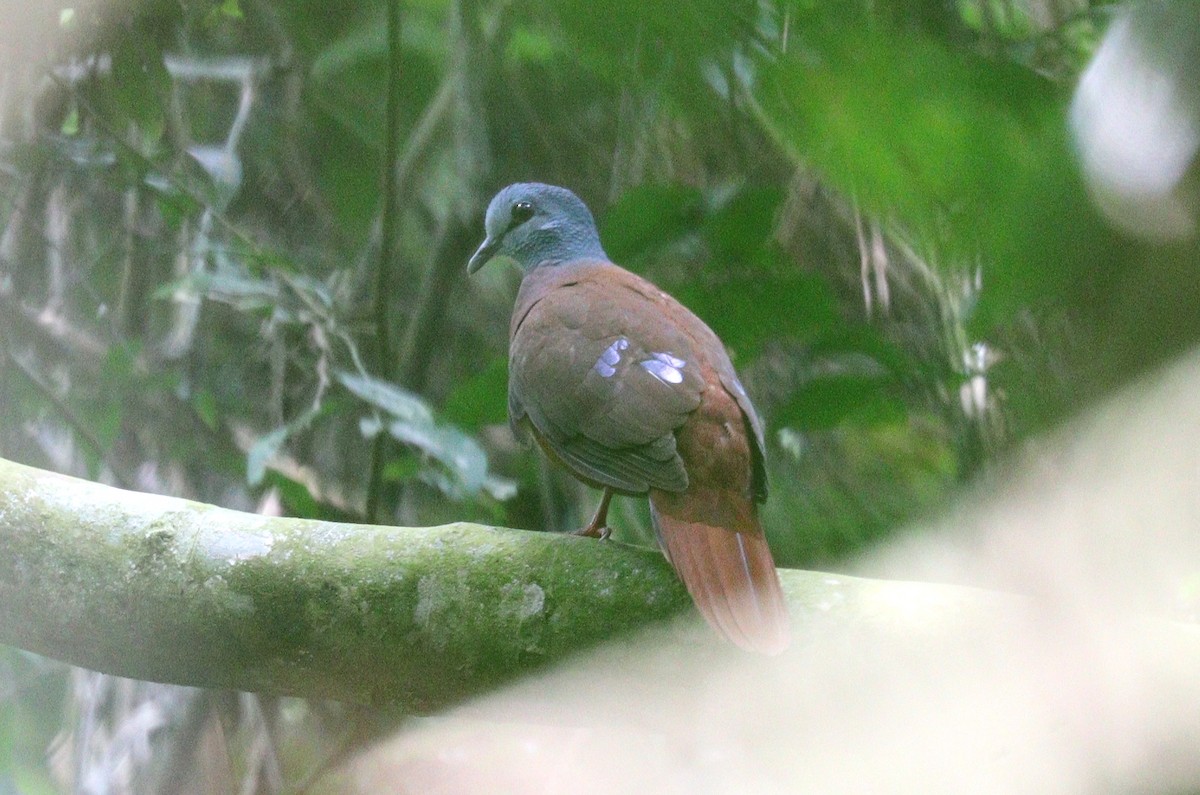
605, 375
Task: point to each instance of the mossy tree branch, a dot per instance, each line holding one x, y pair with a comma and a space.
164, 589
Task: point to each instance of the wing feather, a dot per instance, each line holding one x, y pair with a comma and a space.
605, 382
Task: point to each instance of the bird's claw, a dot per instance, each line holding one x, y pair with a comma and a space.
592, 531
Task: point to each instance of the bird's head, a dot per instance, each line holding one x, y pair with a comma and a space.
537, 224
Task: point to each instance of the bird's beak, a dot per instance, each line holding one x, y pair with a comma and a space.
484, 253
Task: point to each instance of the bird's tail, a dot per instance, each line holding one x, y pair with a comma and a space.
717, 547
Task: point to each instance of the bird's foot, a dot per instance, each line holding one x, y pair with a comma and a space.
592, 530
598, 527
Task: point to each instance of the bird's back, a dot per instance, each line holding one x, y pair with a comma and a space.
631, 390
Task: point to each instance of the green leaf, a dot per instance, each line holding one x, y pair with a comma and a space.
138, 89
482, 399
262, 451
841, 398
463, 461
232, 9
402, 469
295, 496
968, 151
366, 41
205, 405
649, 217
530, 45
746, 308
459, 453
741, 228
266, 448
70, 124
396, 401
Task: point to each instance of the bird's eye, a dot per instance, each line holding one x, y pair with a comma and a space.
521, 212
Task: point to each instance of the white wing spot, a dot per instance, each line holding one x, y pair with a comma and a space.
606, 365
667, 358
665, 368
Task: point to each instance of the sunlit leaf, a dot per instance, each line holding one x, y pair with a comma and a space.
530, 45
262, 451
70, 124
459, 453
295, 496
499, 488
396, 401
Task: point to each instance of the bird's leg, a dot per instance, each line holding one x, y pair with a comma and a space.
598, 527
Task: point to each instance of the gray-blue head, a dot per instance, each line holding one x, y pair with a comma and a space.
535, 224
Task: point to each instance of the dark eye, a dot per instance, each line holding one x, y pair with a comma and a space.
521, 212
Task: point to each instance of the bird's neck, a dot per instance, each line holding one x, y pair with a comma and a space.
561, 245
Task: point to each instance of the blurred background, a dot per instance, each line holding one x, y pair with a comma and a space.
233, 239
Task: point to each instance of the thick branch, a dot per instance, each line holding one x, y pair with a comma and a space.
164, 589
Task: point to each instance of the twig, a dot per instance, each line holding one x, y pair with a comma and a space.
418, 141
351, 741
427, 321
72, 419
387, 241
454, 237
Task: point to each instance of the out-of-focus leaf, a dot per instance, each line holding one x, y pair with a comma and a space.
70, 124
650, 217
294, 496
831, 400
499, 488
481, 399
409, 420
224, 170
695, 30
83, 149
370, 426
400, 403
205, 404
865, 342
971, 151
365, 41
267, 447
459, 453
262, 451
174, 204
231, 9
231, 286
748, 308
530, 45
739, 230
139, 88
401, 469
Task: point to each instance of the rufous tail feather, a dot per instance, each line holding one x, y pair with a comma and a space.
728, 571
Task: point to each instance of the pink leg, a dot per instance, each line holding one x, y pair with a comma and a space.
598, 527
